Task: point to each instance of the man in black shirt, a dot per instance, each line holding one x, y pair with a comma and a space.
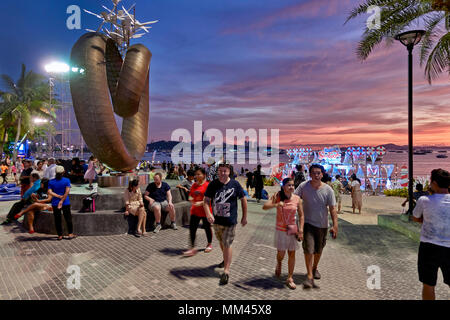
258, 182
159, 197
249, 182
224, 194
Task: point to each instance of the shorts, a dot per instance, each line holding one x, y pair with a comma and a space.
163, 205
314, 239
225, 234
431, 258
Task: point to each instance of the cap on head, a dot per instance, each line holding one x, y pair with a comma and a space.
59, 169
211, 161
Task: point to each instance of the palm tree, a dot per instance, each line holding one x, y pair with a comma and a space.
27, 97
397, 16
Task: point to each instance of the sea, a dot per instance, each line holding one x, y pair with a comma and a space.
423, 164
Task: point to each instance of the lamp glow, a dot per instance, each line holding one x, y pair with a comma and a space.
38, 120
57, 67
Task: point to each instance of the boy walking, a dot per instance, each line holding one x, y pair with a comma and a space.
224, 193
434, 251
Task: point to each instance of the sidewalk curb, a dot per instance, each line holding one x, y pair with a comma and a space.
394, 222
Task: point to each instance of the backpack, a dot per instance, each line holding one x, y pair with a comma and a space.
89, 203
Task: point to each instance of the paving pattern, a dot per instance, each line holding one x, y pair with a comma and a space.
152, 267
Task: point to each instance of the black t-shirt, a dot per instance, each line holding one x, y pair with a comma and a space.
224, 201
249, 176
258, 179
26, 173
77, 169
158, 194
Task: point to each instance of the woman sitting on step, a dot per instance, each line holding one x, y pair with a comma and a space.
134, 205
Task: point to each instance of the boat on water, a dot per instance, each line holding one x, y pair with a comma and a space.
420, 152
441, 156
442, 151
399, 151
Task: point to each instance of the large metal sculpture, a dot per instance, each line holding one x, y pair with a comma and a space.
110, 82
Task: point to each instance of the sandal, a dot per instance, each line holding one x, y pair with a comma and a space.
208, 249
71, 237
290, 283
60, 238
190, 253
278, 270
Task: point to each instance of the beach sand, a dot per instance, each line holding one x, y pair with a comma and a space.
372, 205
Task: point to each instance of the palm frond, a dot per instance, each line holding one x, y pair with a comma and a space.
8, 82
439, 59
362, 8
393, 21
431, 24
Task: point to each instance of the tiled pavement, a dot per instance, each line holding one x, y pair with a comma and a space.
125, 267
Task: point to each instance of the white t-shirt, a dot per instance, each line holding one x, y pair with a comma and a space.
435, 210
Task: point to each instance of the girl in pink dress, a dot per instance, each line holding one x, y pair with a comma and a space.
288, 233
90, 172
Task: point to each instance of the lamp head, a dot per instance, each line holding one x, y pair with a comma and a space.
410, 38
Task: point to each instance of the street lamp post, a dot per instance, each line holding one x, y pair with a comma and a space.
410, 39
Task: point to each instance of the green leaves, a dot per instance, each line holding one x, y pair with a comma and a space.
24, 99
401, 15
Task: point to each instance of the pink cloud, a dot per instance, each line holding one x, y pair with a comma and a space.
306, 9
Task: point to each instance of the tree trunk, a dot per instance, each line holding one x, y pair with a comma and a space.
2, 142
17, 139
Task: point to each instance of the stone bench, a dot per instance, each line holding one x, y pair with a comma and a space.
109, 218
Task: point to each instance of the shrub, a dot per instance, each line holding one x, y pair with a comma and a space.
269, 181
403, 192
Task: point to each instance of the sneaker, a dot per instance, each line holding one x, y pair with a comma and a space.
316, 274
173, 225
208, 249
308, 283
221, 265
158, 228
224, 279
6, 222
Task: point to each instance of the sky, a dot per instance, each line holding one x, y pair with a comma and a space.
253, 64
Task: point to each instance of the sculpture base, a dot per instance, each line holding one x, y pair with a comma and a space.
121, 180
108, 219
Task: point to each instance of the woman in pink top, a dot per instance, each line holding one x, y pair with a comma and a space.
288, 232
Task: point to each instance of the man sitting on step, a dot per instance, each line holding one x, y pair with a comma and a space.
159, 197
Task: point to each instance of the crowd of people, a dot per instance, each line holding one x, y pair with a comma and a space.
302, 207
45, 186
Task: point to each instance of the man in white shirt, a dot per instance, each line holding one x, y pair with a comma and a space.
49, 173
433, 212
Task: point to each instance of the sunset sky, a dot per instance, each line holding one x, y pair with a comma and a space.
234, 64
